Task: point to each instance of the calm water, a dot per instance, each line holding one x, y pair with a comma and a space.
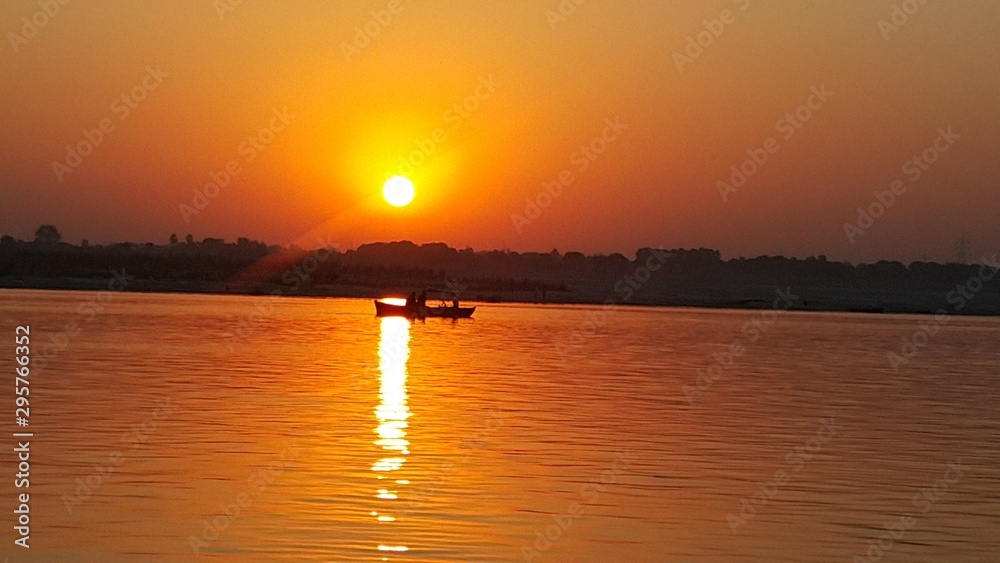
308, 430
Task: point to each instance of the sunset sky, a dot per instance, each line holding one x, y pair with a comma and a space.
483, 103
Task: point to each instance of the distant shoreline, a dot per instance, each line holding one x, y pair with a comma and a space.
655, 277
569, 297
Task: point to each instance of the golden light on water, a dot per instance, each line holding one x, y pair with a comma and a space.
391, 415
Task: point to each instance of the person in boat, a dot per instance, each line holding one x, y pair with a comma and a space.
454, 302
411, 301
422, 300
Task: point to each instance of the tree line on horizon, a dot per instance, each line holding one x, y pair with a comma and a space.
403, 263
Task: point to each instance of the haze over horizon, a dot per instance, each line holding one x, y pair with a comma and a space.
484, 106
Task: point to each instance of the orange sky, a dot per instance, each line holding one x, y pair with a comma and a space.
536, 88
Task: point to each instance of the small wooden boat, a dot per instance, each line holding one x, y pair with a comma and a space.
383, 309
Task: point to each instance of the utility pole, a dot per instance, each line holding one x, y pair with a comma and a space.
962, 250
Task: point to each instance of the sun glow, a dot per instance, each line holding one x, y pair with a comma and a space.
398, 191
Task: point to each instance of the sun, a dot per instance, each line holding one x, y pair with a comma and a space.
398, 191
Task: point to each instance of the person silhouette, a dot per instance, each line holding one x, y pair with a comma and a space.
411, 301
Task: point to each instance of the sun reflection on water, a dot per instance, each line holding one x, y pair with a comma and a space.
391, 414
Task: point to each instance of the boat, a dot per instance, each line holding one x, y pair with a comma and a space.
384, 309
